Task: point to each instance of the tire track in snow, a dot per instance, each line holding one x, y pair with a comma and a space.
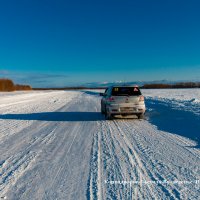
153, 154
145, 174
99, 179
154, 174
133, 161
117, 149
92, 185
104, 160
113, 164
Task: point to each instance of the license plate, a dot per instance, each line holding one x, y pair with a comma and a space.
126, 108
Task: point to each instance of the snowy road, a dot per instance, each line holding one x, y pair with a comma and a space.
56, 145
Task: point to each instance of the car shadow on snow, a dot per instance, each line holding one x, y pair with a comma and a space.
56, 116
168, 119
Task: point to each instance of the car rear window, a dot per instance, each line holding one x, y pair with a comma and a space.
121, 91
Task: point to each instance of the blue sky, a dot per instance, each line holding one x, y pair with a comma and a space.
62, 42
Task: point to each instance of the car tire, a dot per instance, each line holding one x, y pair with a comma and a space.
108, 116
140, 116
102, 111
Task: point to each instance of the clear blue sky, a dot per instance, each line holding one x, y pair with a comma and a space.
63, 42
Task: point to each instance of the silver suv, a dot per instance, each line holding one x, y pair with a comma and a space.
122, 101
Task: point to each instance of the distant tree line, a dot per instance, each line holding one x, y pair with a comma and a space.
7, 85
176, 85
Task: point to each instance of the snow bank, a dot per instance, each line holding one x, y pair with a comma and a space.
182, 99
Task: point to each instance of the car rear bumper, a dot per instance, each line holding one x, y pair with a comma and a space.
125, 109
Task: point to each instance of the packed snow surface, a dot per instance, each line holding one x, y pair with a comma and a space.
57, 145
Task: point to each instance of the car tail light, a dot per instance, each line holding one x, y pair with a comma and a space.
111, 99
141, 98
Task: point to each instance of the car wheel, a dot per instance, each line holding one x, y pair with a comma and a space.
140, 116
108, 116
102, 111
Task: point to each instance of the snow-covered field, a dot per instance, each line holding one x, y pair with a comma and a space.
186, 99
57, 145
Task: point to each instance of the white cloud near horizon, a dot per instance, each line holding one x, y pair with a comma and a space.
36, 79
